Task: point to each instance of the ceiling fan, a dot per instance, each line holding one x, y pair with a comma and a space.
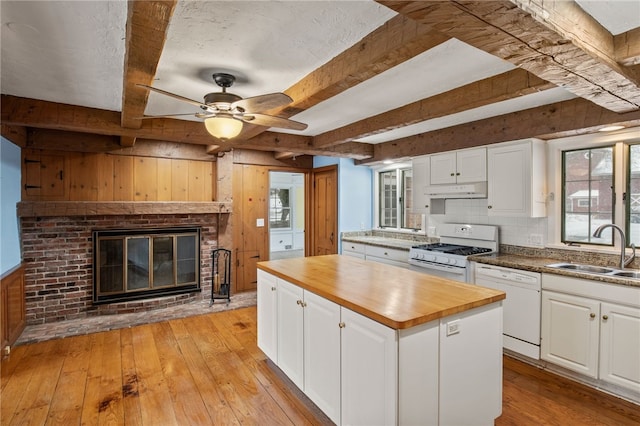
224, 112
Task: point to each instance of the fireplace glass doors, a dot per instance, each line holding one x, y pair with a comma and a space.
143, 263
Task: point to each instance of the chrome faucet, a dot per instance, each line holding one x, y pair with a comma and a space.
623, 261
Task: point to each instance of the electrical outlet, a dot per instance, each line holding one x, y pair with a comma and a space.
453, 327
536, 240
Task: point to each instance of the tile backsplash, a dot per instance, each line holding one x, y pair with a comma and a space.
518, 231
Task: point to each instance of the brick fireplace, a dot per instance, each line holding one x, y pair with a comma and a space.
57, 253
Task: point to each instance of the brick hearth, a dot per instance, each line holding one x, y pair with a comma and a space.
57, 254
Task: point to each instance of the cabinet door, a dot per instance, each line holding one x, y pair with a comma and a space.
471, 165
267, 315
508, 180
369, 371
43, 176
443, 168
620, 345
570, 331
290, 331
322, 354
421, 169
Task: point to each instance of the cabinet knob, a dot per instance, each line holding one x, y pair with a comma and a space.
453, 174
489, 207
592, 315
458, 174
605, 317
386, 254
298, 302
304, 304
341, 325
273, 289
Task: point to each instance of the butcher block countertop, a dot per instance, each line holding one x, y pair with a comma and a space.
396, 297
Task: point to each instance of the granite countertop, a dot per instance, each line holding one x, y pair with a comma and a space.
528, 260
538, 264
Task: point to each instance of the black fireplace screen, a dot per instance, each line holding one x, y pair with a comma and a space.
143, 263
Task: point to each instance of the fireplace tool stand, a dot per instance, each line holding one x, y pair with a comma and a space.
221, 280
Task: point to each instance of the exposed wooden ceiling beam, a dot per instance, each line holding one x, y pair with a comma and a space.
396, 41
554, 40
60, 140
49, 115
16, 134
147, 25
284, 155
283, 142
627, 47
568, 116
499, 88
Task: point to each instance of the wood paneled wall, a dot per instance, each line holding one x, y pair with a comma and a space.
12, 307
70, 176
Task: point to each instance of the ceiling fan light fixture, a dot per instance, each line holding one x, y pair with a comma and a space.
223, 127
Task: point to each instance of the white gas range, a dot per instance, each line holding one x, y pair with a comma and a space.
448, 258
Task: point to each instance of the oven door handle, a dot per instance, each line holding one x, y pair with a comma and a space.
438, 267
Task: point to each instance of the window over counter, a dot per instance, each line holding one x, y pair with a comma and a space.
587, 194
597, 182
394, 199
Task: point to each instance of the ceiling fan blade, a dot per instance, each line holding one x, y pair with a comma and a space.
173, 95
262, 102
163, 116
272, 121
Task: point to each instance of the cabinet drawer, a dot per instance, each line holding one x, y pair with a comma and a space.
387, 253
354, 247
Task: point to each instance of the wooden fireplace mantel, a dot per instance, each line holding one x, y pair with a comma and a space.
99, 208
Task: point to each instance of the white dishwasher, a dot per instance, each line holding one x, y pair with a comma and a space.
521, 308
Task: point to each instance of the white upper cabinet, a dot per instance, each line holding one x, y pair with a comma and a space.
516, 179
464, 166
420, 175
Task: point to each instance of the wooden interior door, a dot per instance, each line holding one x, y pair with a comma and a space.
325, 211
250, 192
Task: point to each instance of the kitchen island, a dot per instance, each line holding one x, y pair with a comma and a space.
371, 343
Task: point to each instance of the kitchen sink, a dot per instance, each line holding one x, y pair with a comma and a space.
591, 269
597, 270
626, 274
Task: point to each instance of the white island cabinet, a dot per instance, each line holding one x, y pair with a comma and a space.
370, 344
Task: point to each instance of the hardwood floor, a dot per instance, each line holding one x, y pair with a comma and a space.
207, 370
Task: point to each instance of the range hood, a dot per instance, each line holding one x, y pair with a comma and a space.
463, 190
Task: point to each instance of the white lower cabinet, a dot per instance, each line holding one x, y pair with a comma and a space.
369, 371
570, 328
353, 249
592, 328
291, 332
267, 315
308, 339
385, 255
321, 359
620, 345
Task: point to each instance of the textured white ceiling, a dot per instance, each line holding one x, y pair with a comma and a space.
73, 52
617, 16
